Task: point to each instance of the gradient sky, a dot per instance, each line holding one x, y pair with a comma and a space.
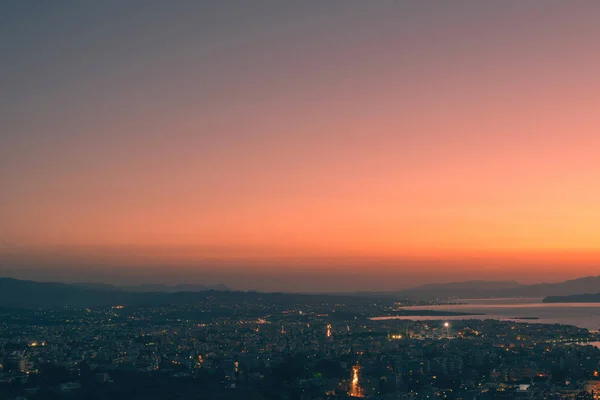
299, 145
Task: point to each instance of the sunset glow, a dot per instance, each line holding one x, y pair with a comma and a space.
330, 145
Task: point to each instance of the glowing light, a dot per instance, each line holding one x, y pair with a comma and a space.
355, 389
446, 324
328, 330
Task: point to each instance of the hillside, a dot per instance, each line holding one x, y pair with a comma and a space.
575, 298
484, 289
30, 294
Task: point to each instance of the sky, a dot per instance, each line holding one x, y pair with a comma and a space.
303, 145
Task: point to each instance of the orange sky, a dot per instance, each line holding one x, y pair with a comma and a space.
414, 142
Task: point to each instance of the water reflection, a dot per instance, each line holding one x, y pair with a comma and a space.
585, 315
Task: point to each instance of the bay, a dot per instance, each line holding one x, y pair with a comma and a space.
530, 310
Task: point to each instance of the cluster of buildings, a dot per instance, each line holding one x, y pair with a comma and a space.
303, 352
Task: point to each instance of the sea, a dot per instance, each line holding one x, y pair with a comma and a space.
530, 310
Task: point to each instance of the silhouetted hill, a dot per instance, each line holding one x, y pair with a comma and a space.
173, 288
485, 289
574, 298
95, 286
469, 285
468, 289
21, 293
145, 288
18, 293
588, 284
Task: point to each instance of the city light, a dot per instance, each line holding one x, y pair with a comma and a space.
355, 389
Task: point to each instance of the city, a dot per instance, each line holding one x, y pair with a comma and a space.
303, 351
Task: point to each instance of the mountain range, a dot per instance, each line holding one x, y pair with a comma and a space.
501, 289
146, 288
21, 293
574, 298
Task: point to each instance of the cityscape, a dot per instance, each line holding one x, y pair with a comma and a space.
236, 345
299, 199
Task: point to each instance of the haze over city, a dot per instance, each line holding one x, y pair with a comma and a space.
299, 146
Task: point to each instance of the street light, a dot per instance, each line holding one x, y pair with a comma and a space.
447, 326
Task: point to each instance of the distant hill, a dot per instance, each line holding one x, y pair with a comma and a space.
30, 294
468, 289
486, 289
145, 288
588, 284
173, 288
95, 286
469, 285
22, 293
574, 298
